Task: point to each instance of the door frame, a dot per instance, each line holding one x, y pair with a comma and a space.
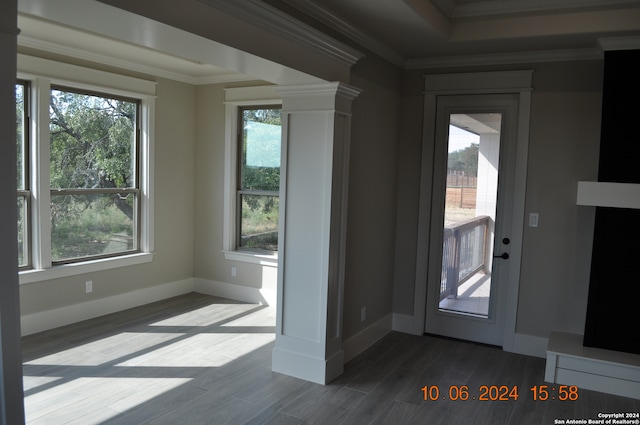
515, 82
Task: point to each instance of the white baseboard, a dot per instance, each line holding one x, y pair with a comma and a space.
50, 319
304, 366
235, 292
366, 338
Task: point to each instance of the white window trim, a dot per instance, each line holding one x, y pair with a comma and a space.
234, 98
42, 73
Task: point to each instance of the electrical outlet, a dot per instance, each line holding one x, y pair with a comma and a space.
363, 314
88, 286
234, 272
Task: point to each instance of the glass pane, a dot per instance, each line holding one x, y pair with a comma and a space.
470, 212
92, 225
259, 222
20, 135
93, 141
260, 151
23, 234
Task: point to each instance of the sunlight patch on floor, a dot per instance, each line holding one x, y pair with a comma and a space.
105, 350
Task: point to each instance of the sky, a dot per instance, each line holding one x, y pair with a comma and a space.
460, 139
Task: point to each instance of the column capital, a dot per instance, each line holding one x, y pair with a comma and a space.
334, 88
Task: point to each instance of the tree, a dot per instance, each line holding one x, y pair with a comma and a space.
465, 160
92, 144
93, 149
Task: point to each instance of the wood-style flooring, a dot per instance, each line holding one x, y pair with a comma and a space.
197, 359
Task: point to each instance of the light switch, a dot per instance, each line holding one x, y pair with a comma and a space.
533, 219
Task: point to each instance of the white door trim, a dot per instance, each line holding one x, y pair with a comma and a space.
519, 82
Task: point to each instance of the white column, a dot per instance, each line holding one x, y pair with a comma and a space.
488, 164
487, 187
11, 397
313, 215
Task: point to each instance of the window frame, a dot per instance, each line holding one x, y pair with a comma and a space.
135, 190
42, 74
25, 191
240, 191
235, 99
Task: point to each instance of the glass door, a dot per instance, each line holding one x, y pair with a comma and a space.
469, 211
473, 155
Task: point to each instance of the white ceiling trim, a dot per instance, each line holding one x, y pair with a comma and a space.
332, 20
505, 58
275, 21
128, 65
92, 17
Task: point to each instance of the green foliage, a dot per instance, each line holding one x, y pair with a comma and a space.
92, 146
21, 178
20, 131
259, 225
465, 160
92, 141
92, 227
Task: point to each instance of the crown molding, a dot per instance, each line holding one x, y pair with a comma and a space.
505, 58
499, 7
275, 21
332, 20
619, 43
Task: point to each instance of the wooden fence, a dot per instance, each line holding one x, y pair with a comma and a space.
461, 191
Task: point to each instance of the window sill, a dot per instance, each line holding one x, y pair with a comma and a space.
269, 260
56, 272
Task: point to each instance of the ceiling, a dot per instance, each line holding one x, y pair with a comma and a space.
415, 33
408, 33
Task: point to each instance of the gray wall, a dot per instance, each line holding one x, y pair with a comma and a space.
563, 149
210, 263
372, 195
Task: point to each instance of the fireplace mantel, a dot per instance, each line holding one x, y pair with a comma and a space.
605, 194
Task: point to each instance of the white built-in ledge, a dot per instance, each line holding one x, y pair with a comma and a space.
611, 372
604, 194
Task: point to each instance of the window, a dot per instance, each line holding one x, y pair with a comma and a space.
85, 169
24, 195
254, 120
93, 175
258, 178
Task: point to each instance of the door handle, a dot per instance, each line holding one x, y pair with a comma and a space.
504, 256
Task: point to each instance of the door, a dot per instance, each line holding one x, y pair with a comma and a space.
474, 157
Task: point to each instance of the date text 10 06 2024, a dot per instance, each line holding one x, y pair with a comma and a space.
498, 393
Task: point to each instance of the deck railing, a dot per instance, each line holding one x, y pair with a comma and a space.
463, 253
